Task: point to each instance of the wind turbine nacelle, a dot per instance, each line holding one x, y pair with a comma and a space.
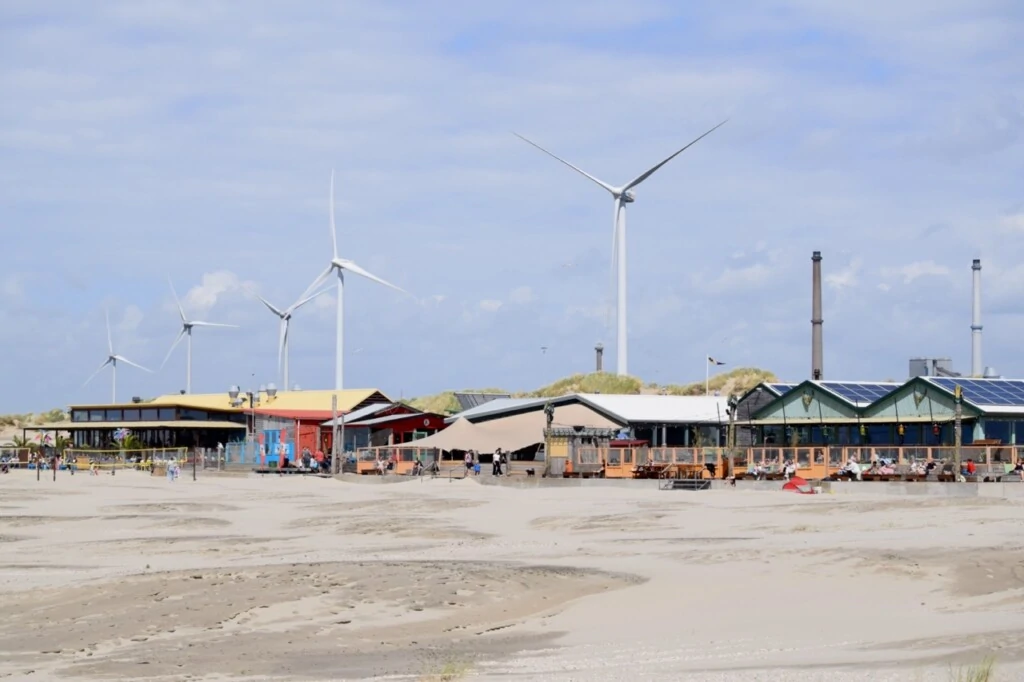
628, 197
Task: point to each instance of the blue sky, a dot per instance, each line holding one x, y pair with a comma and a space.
145, 139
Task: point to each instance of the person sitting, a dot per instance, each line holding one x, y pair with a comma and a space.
886, 469
851, 469
788, 470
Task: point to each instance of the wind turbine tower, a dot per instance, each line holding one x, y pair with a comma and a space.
112, 360
286, 317
338, 267
621, 195
186, 330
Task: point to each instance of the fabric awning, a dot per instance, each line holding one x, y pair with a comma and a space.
511, 433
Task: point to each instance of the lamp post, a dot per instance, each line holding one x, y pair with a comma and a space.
253, 399
730, 436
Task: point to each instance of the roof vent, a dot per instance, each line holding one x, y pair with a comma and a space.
990, 373
271, 390
236, 402
233, 393
263, 388
296, 387
136, 399
182, 391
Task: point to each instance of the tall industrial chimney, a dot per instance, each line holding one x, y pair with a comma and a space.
977, 369
817, 370
599, 350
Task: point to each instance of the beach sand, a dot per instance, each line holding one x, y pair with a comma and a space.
238, 577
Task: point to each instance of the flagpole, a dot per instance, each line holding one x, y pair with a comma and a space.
707, 374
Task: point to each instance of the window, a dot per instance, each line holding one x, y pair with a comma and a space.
112, 415
95, 415
166, 414
131, 415
79, 415
192, 415
150, 414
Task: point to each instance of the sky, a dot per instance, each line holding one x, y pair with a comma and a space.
148, 139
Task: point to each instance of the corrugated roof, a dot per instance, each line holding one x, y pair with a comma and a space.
373, 421
469, 399
658, 409
370, 410
497, 407
348, 400
661, 409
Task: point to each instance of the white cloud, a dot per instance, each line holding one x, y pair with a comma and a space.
916, 270
845, 277
490, 305
214, 287
1013, 222
521, 295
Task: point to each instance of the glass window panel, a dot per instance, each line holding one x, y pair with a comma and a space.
131, 415
150, 414
96, 415
166, 414
112, 415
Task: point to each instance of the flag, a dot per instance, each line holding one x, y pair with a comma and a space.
712, 361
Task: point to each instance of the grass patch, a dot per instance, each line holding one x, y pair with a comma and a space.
446, 671
982, 672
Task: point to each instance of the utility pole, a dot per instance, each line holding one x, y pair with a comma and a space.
958, 413
730, 436
335, 465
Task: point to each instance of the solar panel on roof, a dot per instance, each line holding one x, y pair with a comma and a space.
780, 388
857, 392
986, 391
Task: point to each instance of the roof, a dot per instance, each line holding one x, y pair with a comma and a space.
779, 388
657, 409
184, 424
498, 406
373, 421
310, 415
469, 399
660, 409
348, 400
1004, 396
859, 393
369, 411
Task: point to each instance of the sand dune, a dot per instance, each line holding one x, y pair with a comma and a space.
132, 577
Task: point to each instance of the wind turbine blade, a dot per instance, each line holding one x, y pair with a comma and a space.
334, 235
110, 339
93, 375
640, 178
296, 306
271, 306
177, 301
575, 168
321, 278
352, 267
214, 324
121, 358
181, 335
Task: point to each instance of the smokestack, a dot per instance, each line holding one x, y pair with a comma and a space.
599, 351
977, 369
817, 369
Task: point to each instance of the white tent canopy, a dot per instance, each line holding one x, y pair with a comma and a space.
511, 433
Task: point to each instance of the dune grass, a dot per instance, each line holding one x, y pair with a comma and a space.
737, 381
450, 670
981, 672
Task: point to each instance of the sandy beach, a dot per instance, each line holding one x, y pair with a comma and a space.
236, 577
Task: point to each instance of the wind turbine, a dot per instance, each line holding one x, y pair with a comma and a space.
186, 330
286, 318
338, 267
622, 195
112, 360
